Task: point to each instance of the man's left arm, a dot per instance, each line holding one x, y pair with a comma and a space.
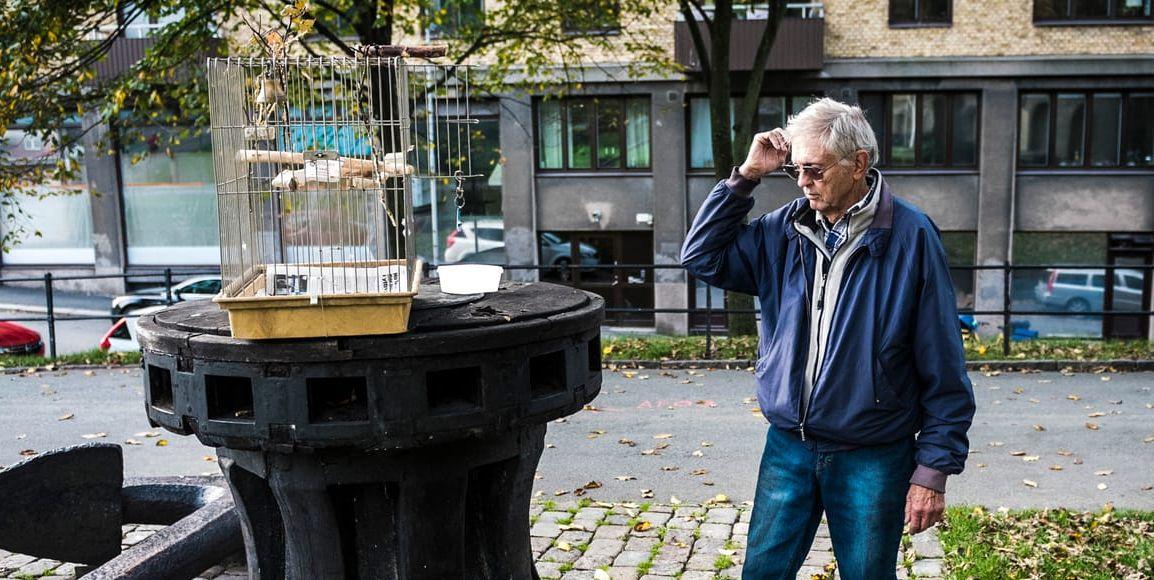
945, 394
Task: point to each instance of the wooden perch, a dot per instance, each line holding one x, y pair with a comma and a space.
396, 50
392, 164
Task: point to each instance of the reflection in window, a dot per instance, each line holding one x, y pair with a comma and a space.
549, 135
579, 138
1054, 132
448, 18
1106, 130
1091, 10
609, 134
903, 127
637, 134
602, 133
934, 129
1069, 125
965, 129
1034, 130
919, 11
170, 200
961, 251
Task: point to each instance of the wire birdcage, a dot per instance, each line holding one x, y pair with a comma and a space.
316, 160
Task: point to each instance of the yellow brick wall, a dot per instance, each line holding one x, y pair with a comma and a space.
860, 28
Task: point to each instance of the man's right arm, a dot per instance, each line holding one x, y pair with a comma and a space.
719, 249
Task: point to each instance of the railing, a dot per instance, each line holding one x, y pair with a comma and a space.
1005, 313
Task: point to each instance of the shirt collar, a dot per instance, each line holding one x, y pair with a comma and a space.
856, 208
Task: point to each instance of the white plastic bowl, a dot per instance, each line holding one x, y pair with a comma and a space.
469, 278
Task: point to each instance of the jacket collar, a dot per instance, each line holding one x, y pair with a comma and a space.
876, 237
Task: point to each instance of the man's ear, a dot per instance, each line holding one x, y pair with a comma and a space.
861, 164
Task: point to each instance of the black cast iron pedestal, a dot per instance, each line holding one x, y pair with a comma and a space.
406, 456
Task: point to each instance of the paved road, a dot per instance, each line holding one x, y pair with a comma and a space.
72, 336
713, 408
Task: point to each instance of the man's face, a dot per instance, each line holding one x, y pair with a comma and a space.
835, 187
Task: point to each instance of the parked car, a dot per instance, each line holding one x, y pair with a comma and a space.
122, 336
20, 340
196, 288
480, 239
1084, 290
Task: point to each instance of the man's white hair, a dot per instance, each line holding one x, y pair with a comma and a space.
836, 127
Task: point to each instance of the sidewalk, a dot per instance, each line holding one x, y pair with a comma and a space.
573, 540
33, 300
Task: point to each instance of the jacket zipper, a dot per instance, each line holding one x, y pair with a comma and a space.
820, 316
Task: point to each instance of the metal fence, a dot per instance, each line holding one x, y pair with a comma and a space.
1006, 313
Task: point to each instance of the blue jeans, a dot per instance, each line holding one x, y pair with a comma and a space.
862, 491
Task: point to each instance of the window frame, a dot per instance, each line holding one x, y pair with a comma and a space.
885, 146
1111, 8
1087, 131
594, 141
918, 20
613, 29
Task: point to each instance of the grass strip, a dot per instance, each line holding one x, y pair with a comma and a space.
1050, 543
657, 348
89, 357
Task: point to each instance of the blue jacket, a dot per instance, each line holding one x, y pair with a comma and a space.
894, 363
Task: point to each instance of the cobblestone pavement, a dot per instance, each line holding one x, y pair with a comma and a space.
581, 539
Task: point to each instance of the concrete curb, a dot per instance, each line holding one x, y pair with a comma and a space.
992, 365
58, 311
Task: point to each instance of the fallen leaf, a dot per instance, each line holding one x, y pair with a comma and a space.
593, 485
1031, 458
148, 434
663, 436
65, 417
131, 442
1065, 453
707, 444
1103, 486
1039, 427
698, 453
94, 435
1074, 397
209, 458
674, 500
1055, 467
162, 442
1019, 390
1105, 378
1077, 461
550, 446
1030, 483
28, 452
699, 472
1017, 453
1096, 414
1104, 472
564, 546
670, 468
90, 373
624, 478
628, 442
997, 443
1092, 426
561, 492
647, 494
642, 525
725, 552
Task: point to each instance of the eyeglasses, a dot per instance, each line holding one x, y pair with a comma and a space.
814, 172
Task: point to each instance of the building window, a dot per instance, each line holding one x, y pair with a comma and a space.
1092, 11
924, 129
772, 112
1108, 129
170, 199
920, 12
53, 219
593, 134
448, 18
592, 17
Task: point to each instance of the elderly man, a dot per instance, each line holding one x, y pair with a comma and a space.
860, 364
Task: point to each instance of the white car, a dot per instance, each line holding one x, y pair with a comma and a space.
474, 237
122, 336
1084, 290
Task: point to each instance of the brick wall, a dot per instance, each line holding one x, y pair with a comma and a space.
860, 28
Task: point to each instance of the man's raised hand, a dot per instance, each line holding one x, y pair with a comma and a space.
766, 154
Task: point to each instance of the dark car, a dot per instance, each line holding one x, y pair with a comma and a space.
197, 288
20, 340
